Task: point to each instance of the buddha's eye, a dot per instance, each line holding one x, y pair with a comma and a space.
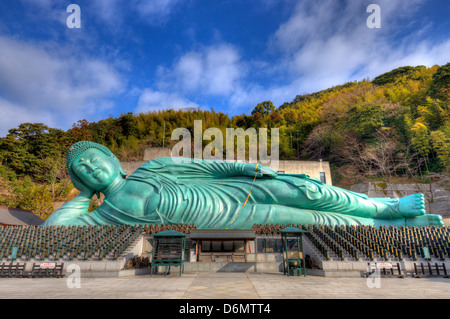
95, 158
80, 169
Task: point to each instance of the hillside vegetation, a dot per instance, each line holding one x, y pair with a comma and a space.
395, 127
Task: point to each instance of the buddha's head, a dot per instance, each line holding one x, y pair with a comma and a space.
92, 165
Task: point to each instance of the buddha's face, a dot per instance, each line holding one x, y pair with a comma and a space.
95, 169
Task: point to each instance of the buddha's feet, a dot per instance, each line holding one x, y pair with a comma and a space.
412, 206
425, 220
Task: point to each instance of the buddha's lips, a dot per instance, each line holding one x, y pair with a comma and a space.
96, 172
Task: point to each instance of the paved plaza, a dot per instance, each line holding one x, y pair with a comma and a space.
221, 285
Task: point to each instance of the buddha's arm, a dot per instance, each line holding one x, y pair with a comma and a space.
71, 209
192, 168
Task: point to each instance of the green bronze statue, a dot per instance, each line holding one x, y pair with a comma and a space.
218, 195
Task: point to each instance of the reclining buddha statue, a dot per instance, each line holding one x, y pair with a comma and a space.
218, 195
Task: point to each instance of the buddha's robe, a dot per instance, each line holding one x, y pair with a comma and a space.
220, 195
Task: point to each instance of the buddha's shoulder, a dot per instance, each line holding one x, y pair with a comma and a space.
161, 161
137, 187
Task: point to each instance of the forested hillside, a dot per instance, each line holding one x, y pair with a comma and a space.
395, 126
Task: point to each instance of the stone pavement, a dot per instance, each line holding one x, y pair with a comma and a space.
221, 285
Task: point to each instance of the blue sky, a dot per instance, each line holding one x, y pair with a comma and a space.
139, 56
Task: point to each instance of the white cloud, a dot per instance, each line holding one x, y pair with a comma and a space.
112, 12
326, 43
36, 85
45, 4
213, 70
151, 100
188, 72
222, 69
155, 10
107, 10
322, 44
13, 114
52, 11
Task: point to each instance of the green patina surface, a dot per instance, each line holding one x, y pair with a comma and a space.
218, 195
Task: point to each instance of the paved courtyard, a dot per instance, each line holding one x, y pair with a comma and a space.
221, 285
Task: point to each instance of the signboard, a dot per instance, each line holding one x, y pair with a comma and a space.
384, 265
47, 265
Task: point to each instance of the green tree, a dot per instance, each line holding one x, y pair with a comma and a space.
265, 108
420, 139
395, 74
128, 123
441, 80
25, 194
54, 170
441, 145
36, 198
25, 146
14, 155
434, 113
364, 120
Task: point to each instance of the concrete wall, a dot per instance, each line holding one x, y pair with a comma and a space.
437, 198
234, 266
156, 152
130, 167
359, 268
310, 168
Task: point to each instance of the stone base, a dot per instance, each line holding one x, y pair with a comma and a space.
234, 266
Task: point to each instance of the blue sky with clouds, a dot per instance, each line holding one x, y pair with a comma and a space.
138, 56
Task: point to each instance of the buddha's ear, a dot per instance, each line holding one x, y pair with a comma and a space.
80, 185
119, 165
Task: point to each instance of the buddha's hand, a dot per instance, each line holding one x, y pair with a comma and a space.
259, 170
73, 208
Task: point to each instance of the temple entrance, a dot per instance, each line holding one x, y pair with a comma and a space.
222, 245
